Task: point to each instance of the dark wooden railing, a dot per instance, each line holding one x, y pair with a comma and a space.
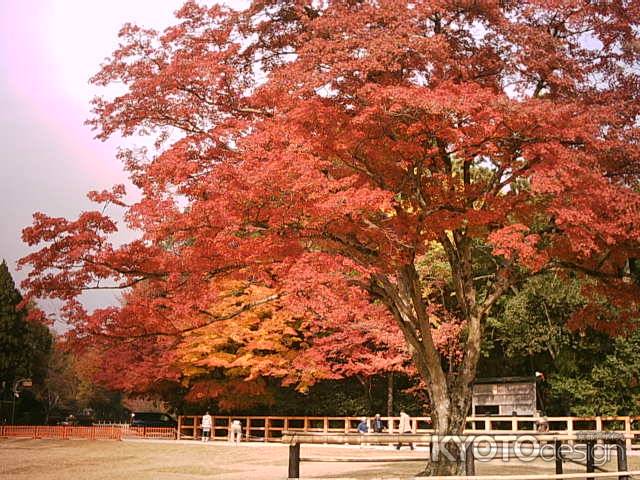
588, 439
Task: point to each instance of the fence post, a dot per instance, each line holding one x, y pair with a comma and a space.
267, 432
469, 460
590, 458
569, 421
622, 459
180, 427
627, 431
558, 455
294, 461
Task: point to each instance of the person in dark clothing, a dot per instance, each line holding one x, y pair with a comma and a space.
378, 426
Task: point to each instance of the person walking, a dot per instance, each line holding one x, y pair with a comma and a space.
378, 426
405, 427
206, 427
235, 432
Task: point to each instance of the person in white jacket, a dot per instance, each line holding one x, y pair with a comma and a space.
206, 427
405, 427
235, 432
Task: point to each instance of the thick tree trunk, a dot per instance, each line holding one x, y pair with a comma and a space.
449, 393
447, 457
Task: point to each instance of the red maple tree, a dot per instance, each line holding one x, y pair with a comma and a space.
333, 146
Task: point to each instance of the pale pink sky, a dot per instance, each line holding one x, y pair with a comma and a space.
48, 51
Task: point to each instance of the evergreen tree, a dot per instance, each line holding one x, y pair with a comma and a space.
24, 345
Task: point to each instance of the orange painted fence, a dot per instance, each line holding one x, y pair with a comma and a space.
96, 432
160, 433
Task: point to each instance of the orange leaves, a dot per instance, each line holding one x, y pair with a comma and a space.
257, 343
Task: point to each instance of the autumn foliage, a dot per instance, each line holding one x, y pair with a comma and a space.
319, 152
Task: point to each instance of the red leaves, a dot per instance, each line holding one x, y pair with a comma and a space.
109, 196
516, 244
231, 394
307, 149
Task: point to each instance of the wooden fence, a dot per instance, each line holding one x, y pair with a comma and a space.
468, 444
96, 432
270, 428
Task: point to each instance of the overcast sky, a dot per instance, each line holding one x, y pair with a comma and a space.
48, 51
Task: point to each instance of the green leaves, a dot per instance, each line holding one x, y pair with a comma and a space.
610, 387
24, 345
534, 318
587, 372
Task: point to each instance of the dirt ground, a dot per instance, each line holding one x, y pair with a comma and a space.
167, 460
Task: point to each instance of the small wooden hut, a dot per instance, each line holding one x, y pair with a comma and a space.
504, 396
